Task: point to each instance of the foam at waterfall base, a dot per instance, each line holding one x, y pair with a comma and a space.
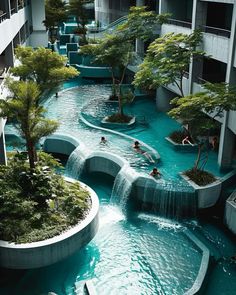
111, 214
162, 223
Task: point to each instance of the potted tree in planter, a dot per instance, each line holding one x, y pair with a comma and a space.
200, 110
116, 51
116, 54
30, 186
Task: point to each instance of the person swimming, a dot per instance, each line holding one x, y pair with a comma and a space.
155, 173
137, 148
103, 140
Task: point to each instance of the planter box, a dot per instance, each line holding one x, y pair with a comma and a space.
207, 195
111, 125
182, 147
230, 212
46, 252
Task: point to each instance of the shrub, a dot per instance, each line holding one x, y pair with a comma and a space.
38, 204
200, 177
177, 136
118, 118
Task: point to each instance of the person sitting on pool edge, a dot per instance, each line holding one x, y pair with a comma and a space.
186, 140
137, 148
155, 173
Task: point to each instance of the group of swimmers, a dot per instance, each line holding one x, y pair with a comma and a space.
137, 148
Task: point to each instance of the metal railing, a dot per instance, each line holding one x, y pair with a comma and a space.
180, 23
216, 31
201, 81
3, 16
13, 10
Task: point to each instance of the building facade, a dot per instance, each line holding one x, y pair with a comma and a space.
217, 21
20, 23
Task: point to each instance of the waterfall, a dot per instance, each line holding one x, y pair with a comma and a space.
76, 161
175, 200
123, 185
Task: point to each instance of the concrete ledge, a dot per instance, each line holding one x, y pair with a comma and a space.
207, 195
108, 124
43, 253
93, 71
105, 162
182, 147
153, 152
230, 212
60, 143
198, 284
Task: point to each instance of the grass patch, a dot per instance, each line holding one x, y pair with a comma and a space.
200, 177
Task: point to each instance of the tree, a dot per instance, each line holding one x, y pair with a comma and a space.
200, 109
115, 53
56, 13
43, 66
116, 50
167, 60
22, 106
77, 8
142, 24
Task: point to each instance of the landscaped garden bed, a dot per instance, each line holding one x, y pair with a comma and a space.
38, 204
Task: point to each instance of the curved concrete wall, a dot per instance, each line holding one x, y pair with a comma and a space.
43, 253
105, 162
60, 143
207, 195
230, 212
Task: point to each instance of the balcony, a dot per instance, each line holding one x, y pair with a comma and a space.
216, 31
3, 16
180, 23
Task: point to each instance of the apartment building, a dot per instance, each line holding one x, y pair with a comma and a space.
217, 21
20, 23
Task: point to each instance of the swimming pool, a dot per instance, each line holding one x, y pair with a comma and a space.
90, 101
133, 253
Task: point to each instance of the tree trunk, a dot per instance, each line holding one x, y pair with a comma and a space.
31, 153
198, 156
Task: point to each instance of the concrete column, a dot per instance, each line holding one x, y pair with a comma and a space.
9, 55
139, 45
3, 155
140, 2
227, 138
163, 98
198, 19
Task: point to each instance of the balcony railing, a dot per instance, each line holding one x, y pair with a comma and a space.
3, 16
216, 31
13, 10
180, 23
201, 81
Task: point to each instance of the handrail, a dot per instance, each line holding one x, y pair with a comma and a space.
13, 10
113, 24
3, 17
181, 23
201, 81
216, 31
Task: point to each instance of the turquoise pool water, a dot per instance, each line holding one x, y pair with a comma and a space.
152, 127
133, 253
